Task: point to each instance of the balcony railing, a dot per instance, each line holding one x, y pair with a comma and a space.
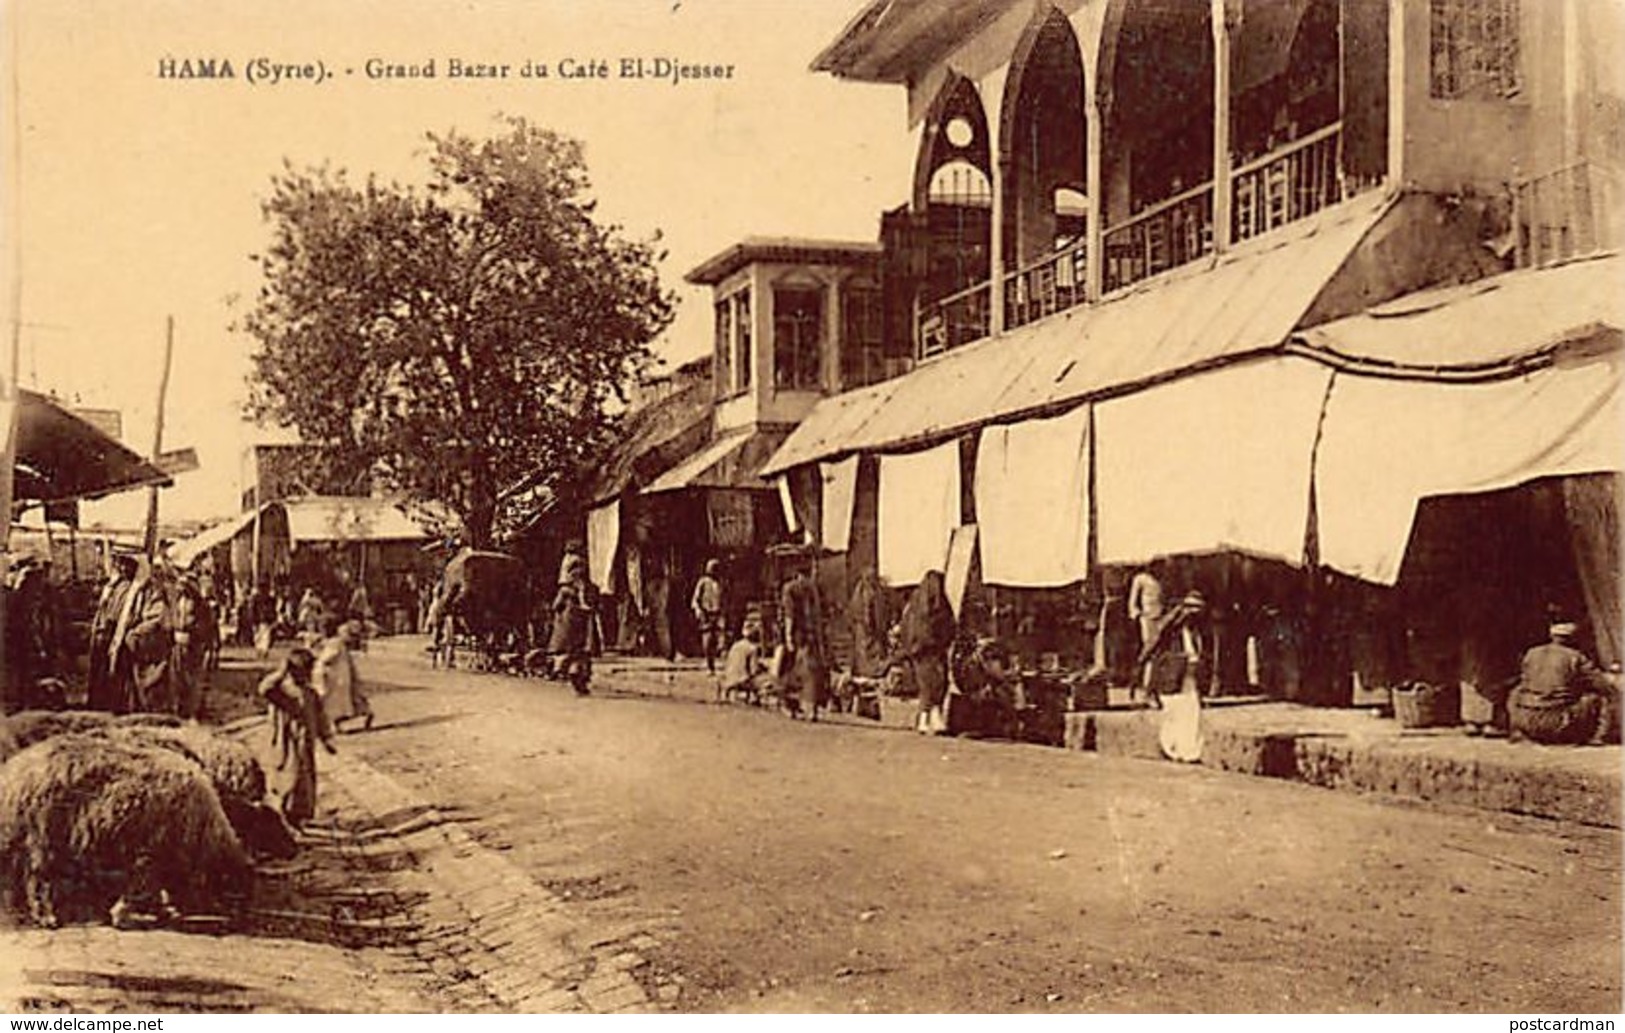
1560, 217
1049, 285
1288, 184
1561, 214
953, 320
1168, 234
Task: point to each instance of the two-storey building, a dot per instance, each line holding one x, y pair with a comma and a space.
796, 321
1253, 287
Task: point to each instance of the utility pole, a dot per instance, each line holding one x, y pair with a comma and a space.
151, 543
10, 396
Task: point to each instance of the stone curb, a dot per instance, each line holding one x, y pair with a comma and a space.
1407, 769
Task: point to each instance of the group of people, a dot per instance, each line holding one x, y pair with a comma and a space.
798, 673
267, 610
153, 637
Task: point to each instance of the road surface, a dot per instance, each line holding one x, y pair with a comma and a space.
791, 867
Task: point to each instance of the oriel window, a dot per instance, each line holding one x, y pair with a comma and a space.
798, 337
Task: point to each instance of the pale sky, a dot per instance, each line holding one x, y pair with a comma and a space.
140, 195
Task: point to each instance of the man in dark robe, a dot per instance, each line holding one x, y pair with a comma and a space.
804, 674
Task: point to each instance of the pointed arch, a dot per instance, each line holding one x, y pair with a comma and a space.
1043, 136
957, 103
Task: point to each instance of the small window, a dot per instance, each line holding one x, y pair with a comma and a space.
960, 133
798, 338
1474, 49
724, 349
862, 337
743, 361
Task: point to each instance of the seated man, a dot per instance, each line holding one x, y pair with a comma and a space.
1561, 696
743, 672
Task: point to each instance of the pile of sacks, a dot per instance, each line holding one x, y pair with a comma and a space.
101, 816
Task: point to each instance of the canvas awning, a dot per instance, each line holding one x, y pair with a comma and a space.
652, 440
1218, 462
61, 457
184, 554
1207, 314
1032, 501
1494, 325
731, 461
345, 519
1388, 444
918, 511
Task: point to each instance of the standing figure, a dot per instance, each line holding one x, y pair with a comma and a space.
804, 671
360, 609
336, 678
104, 691
188, 620
311, 617
1146, 609
574, 609
142, 641
297, 725
870, 621
927, 632
1561, 696
707, 606
1178, 658
262, 618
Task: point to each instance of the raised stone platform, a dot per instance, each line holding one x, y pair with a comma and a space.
1357, 750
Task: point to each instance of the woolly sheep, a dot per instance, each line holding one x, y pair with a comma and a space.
235, 773
87, 821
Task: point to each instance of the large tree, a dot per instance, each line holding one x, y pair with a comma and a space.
453, 339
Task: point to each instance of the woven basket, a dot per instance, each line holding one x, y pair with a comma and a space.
1425, 706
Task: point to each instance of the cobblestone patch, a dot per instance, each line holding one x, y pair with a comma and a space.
501, 940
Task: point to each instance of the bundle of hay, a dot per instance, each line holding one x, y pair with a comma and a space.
88, 821
232, 769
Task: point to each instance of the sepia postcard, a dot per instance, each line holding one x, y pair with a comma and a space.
902, 507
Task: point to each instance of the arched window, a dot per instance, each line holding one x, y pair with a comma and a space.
951, 221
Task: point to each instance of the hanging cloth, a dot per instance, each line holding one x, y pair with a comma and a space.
603, 535
1212, 462
1388, 444
1032, 501
919, 509
840, 482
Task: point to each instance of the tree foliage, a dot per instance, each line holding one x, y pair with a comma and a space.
453, 339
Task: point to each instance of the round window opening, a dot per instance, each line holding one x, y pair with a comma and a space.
960, 133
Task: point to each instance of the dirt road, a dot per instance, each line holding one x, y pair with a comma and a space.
803, 867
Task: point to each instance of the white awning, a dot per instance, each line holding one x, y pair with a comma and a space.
1388, 444
695, 466
1214, 462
